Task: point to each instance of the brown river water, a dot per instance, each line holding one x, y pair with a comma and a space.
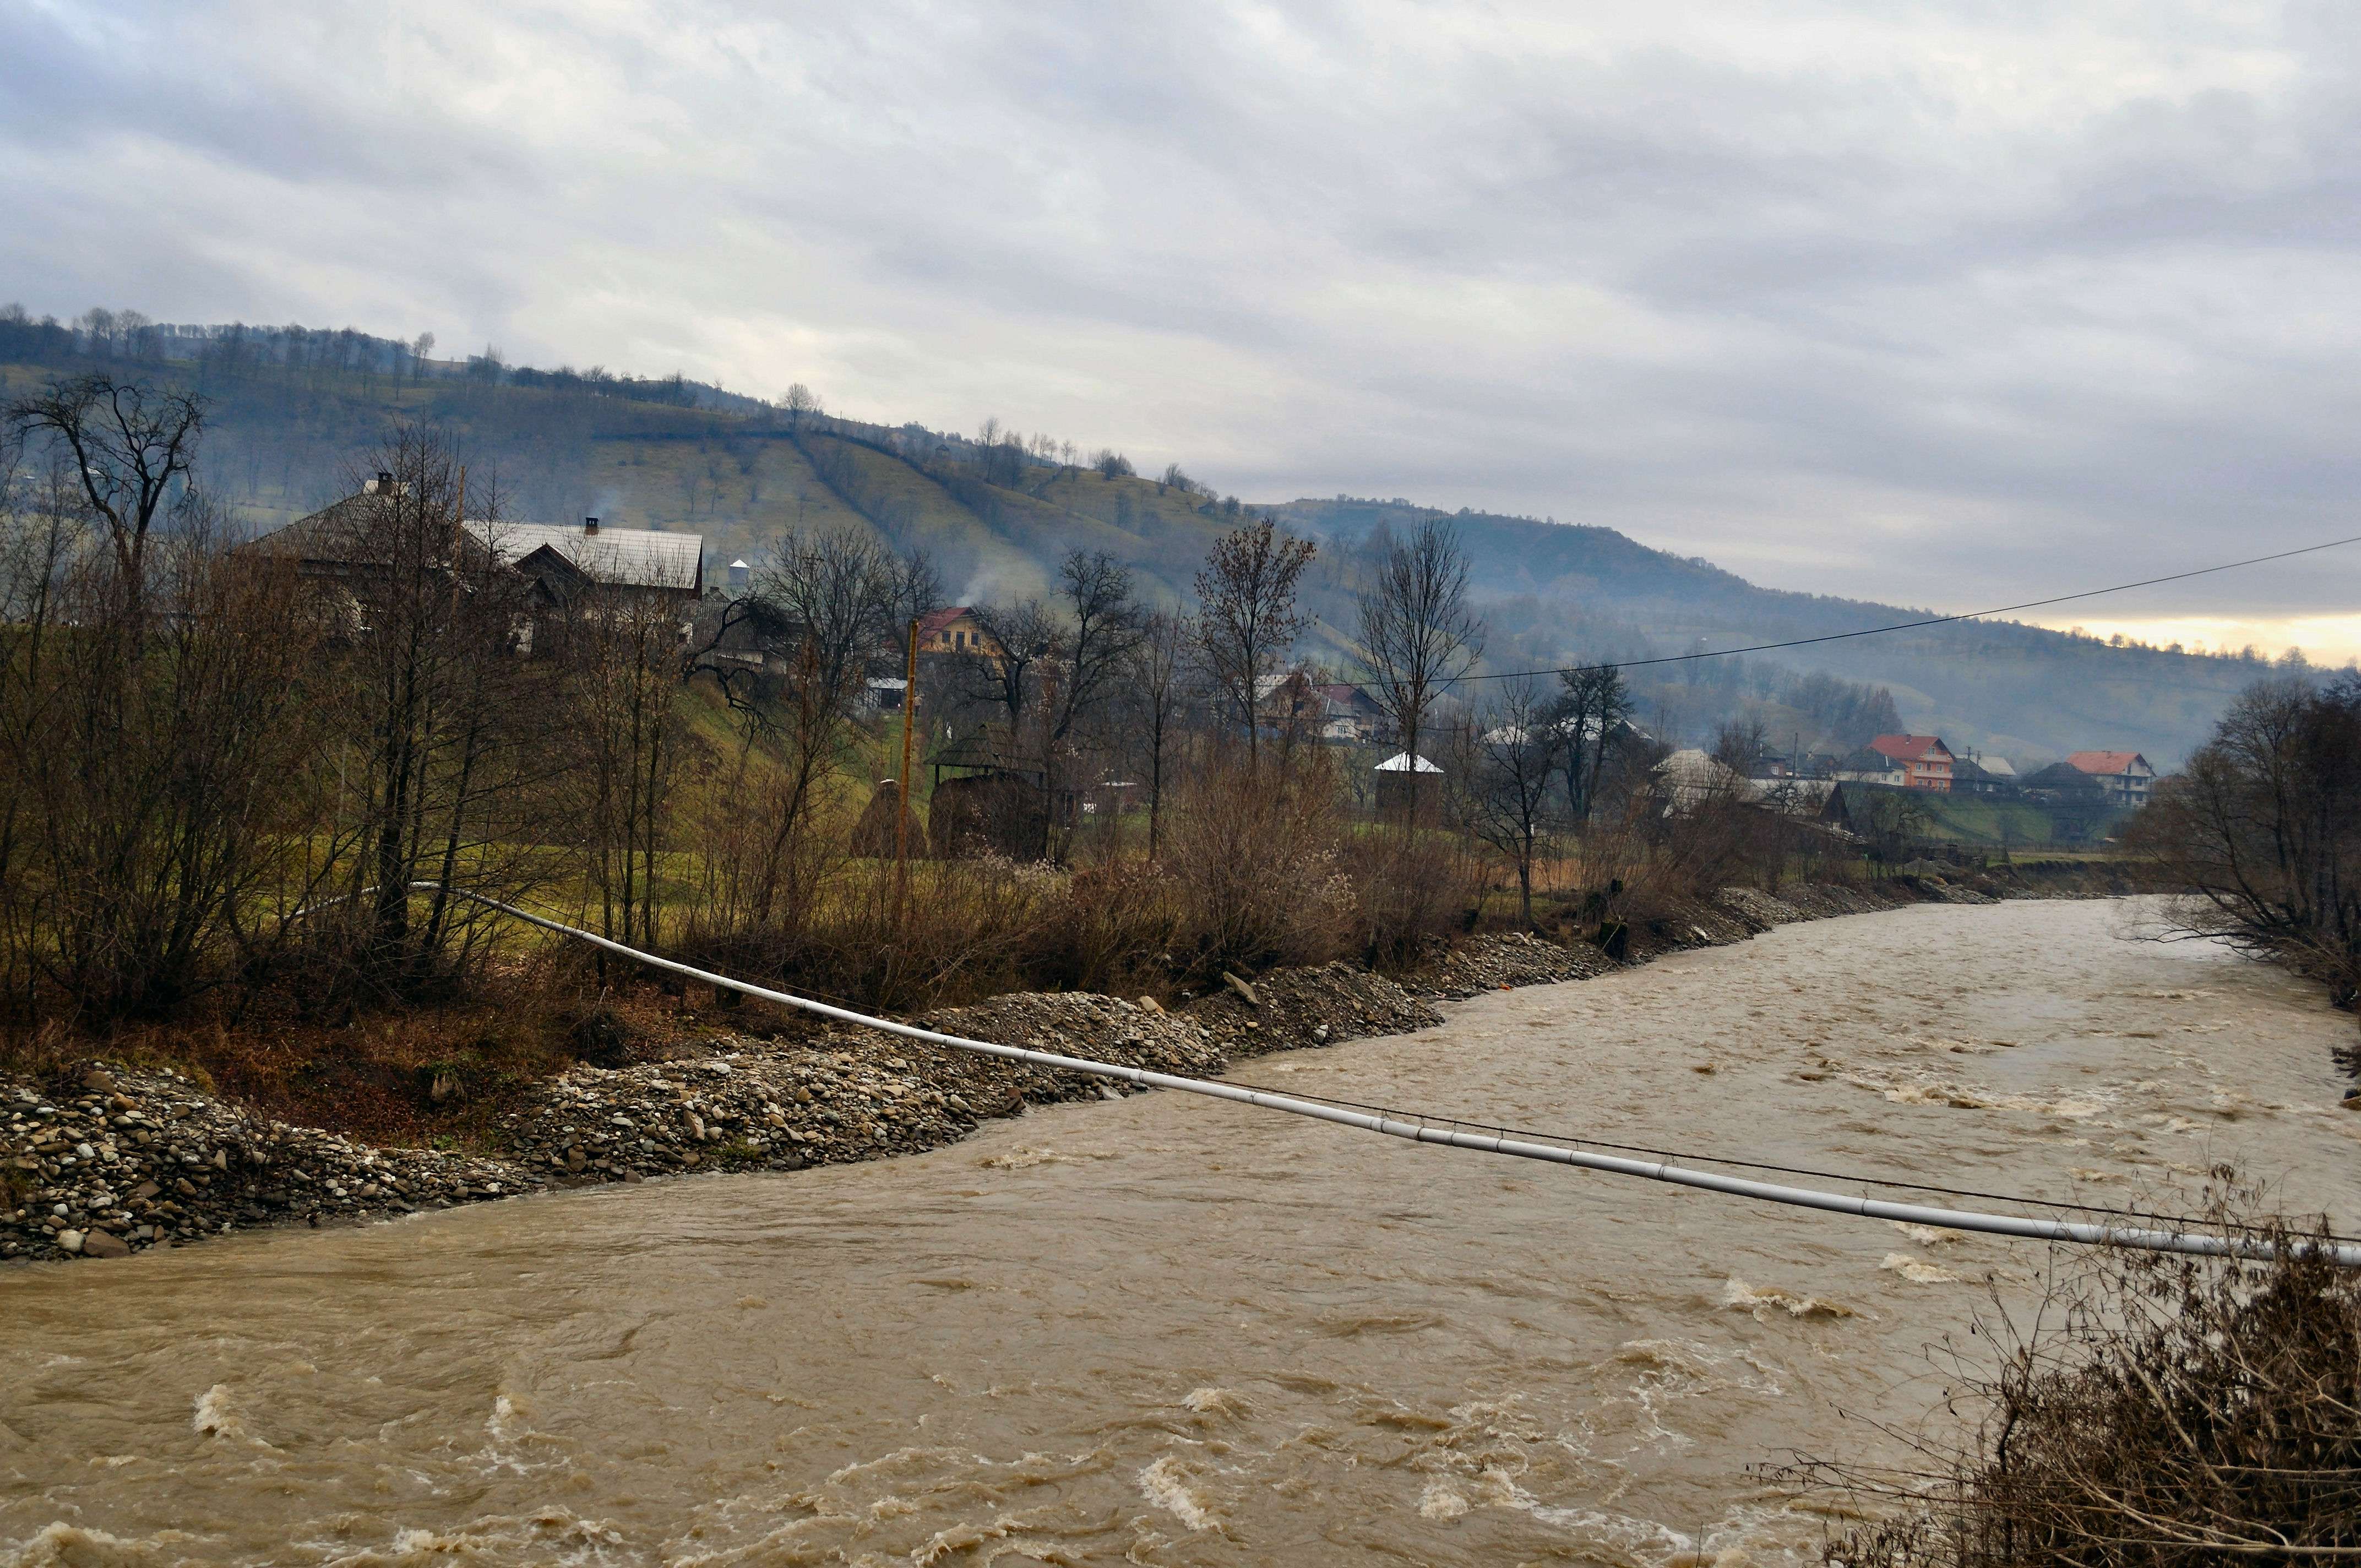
1173, 1331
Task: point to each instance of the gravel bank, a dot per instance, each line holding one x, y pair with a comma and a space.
109, 1161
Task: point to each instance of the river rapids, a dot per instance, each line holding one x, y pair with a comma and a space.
1166, 1329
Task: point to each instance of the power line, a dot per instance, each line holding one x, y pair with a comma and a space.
1905, 625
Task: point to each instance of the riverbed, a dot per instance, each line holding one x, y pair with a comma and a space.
1166, 1329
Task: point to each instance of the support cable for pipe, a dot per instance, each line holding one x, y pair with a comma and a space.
2346, 1253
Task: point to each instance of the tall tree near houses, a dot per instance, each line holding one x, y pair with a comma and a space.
621, 649
830, 609
1509, 788
1418, 636
1247, 619
1593, 705
1157, 694
438, 717
133, 446
1022, 637
1103, 633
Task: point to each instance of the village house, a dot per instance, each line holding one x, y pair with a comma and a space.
344, 544
1974, 774
1353, 716
2124, 776
955, 630
1902, 762
564, 562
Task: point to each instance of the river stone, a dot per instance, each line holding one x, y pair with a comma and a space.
98, 1244
69, 1240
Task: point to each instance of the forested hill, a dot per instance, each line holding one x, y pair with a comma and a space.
1564, 592
294, 420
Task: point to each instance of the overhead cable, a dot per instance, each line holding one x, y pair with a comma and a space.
1907, 625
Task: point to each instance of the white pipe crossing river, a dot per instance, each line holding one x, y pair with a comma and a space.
2080, 1233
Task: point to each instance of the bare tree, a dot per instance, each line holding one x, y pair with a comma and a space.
1247, 618
1020, 638
1741, 745
800, 403
621, 651
828, 612
1417, 633
151, 745
2263, 829
848, 598
1510, 789
132, 445
1594, 704
1104, 631
438, 719
1158, 695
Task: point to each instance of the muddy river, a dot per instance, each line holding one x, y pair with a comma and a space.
1169, 1330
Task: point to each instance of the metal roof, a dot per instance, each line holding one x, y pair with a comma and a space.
624, 557
1910, 747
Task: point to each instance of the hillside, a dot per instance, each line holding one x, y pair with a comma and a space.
288, 435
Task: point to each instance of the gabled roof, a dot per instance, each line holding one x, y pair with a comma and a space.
1911, 747
620, 557
1400, 763
2106, 762
343, 534
933, 620
2065, 779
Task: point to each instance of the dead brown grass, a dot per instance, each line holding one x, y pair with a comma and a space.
2154, 1411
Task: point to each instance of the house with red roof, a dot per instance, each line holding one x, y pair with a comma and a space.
2124, 776
1922, 761
955, 630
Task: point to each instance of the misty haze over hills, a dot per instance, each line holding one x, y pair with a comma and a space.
297, 410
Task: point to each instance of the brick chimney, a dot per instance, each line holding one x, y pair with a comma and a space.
589, 525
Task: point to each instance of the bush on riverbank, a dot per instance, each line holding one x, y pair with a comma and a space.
2260, 833
2159, 1410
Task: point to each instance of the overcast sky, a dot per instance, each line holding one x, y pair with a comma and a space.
1947, 305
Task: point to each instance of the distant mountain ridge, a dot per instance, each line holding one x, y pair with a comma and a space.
297, 412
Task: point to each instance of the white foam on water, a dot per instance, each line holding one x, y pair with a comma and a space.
1166, 1485
63, 1545
551, 1535
1019, 1159
217, 1415
1442, 1501
1917, 1270
1218, 1402
1769, 1299
1928, 1235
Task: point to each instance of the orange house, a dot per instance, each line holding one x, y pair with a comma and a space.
1923, 760
955, 630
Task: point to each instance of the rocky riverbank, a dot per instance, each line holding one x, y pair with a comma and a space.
107, 1161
